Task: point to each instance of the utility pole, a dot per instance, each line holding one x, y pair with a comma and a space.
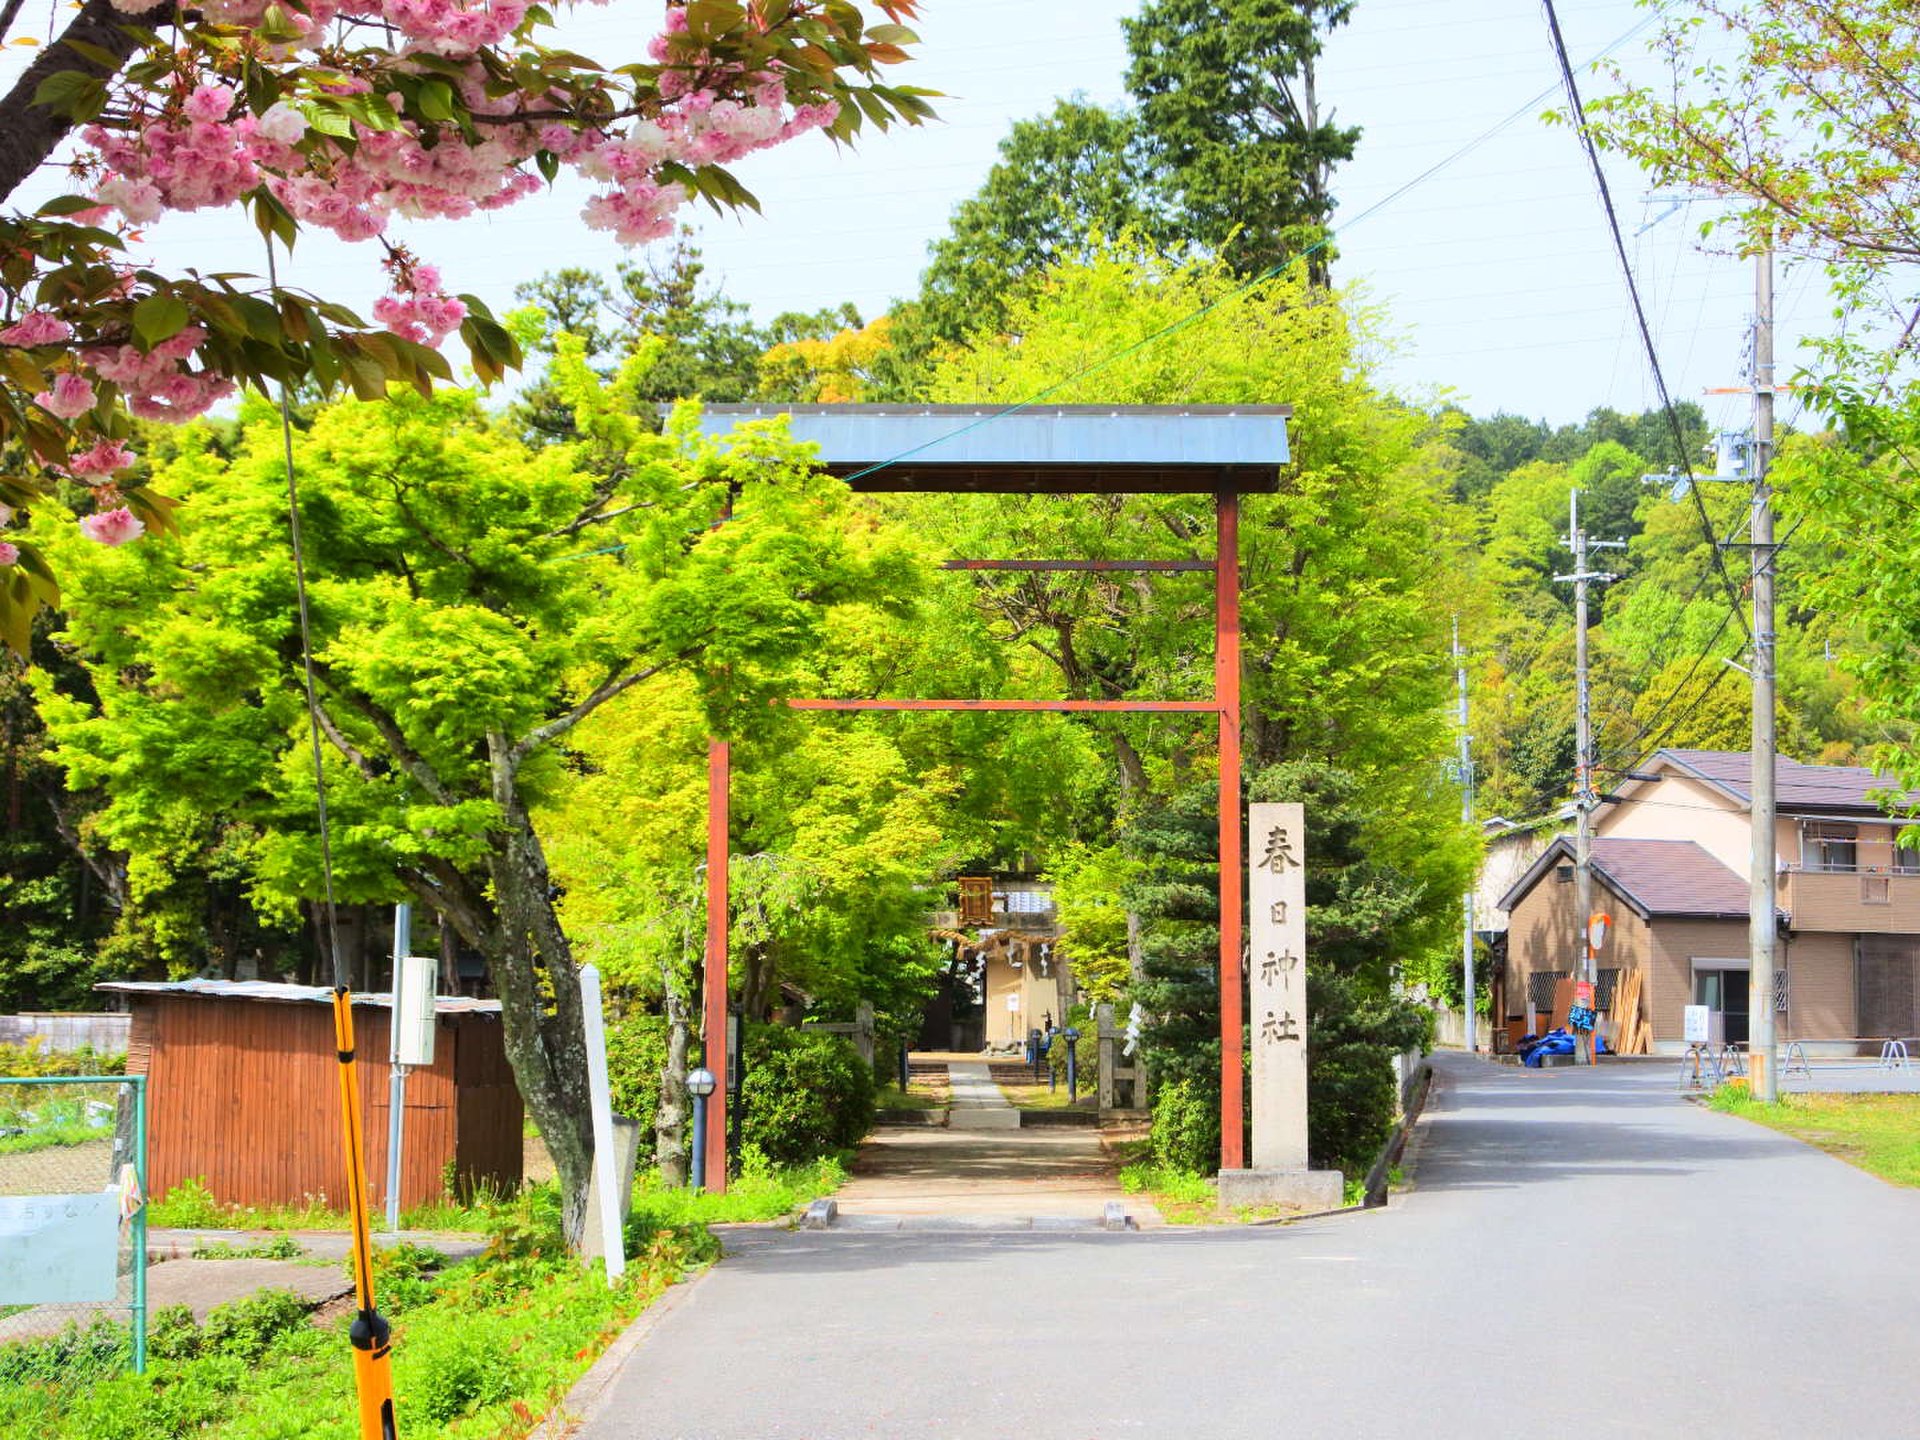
1585, 799
1764, 1079
1466, 819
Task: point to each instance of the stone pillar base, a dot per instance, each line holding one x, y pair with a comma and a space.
1306, 1190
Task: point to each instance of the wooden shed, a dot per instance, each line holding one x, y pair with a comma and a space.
243, 1090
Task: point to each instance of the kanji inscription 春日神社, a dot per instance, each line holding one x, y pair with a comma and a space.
1278, 981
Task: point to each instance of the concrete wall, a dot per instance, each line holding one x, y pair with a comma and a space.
63, 1034
1508, 856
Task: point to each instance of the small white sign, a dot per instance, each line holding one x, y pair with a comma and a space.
1013, 1003
59, 1249
1697, 1024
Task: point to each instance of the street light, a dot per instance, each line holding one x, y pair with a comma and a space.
700, 1084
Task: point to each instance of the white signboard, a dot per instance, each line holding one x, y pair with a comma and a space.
59, 1249
1698, 1022
1277, 983
1013, 1002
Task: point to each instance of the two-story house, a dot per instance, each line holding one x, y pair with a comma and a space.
1671, 860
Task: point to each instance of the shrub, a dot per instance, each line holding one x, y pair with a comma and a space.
173, 1333
636, 1054
188, 1206
246, 1329
1353, 1105
805, 1094
1186, 1127
452, 1372
33, 1059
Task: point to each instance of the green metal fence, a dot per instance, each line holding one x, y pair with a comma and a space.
73, 1230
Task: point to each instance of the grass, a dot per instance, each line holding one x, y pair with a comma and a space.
42, 1120
763, 1192
191, 1206
1187, 1199
482, 1349
1039, 1097
1879, 1133
917, 1097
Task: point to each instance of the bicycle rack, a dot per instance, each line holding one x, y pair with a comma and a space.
1893, 1055
1796, 1063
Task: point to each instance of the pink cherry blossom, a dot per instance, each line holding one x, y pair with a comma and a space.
108, 457
8, 553
282, 124
36, 327
112, 527
209, 103
70, 397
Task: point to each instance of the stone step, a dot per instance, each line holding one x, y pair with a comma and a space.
825, 1215
1031, 1119
983, 1117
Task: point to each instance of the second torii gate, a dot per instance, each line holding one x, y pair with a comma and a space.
1225, 451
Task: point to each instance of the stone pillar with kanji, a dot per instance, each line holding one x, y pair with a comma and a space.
1277, 1020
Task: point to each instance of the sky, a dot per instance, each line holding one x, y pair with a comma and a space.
1495, 276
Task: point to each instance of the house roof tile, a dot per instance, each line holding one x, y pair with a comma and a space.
1796, 786
1656, 877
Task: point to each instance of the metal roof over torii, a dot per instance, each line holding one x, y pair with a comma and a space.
1037, 450
1222, 451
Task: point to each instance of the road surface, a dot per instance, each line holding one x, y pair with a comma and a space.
1583, 1252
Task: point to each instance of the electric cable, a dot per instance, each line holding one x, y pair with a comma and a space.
1271, 272
370, 1335
1579, 118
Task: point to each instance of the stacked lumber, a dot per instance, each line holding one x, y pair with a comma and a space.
1632, 1035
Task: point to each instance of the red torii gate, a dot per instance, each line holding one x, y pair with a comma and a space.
1225, 451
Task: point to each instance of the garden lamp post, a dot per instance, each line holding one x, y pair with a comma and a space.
700, 1085
1072, 1037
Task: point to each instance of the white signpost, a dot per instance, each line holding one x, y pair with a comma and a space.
59, 1249
1277, 984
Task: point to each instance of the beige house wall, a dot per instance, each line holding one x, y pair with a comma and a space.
1543, 933
1676, 945
1820, 901
1678, 807
1821, 1003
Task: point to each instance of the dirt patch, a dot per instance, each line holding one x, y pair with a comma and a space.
58, 1170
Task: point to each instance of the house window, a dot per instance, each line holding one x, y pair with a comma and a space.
1825, 845
1906, 860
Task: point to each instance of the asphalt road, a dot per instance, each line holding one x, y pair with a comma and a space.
1583, 1252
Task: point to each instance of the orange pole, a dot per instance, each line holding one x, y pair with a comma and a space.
1226, 691
371, 1337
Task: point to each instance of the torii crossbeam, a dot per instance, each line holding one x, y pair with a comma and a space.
1224, 451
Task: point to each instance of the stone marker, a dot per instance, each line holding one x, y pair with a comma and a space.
1277, 983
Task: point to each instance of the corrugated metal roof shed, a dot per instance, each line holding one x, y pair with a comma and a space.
290, 994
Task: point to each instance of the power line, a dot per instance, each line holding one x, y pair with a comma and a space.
1260, 279
1639, 309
